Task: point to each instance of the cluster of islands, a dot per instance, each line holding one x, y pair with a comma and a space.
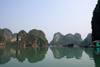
37, 37
21, 38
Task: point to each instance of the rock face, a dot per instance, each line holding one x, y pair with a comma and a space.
2, 38
78, 36
57, 36
37, 36
69, 38
14, 37
87, 40
34, 36
36, 33
22, 36
89, 36
7, 34
96, 23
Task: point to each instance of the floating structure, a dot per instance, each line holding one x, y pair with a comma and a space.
34, 45
24, 45
41, 45
65, 45
93, 44
96, 43
70, 45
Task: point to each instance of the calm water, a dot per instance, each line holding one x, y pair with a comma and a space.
48, 57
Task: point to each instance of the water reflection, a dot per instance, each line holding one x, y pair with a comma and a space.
96, 59
89, 51
32, 54
95, 54
69, 52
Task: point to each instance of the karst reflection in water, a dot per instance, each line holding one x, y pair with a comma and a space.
32, 54
49, 57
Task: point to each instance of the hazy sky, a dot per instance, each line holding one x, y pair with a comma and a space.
50, 16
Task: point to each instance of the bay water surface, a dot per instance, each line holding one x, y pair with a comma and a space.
49, 57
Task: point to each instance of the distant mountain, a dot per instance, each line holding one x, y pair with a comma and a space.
87, 40
77, 36
14, 37
2, 38
22, 37
7, 34
57, 36
69, 38
34, 36
89, 36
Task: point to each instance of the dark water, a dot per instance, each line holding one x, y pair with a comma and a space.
49, 57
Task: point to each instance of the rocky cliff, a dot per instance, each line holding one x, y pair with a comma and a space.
57, 36
77, 36
96, 22
14, 37
87, 40
7, 34
69, 38
38, 36
2, 38
89, 36
34, 36
22, 37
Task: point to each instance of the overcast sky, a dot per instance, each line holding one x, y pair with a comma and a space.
50, 16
